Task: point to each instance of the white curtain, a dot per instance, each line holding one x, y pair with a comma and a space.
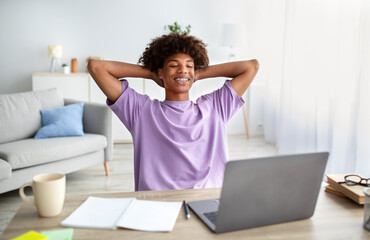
315, 65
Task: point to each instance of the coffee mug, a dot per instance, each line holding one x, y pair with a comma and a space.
48, 193
367, 209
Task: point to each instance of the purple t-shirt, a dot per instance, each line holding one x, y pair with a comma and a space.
178, 144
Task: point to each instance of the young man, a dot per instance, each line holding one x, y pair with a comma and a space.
178, 144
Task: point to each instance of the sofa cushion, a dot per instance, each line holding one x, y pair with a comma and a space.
20, 112
61, 122
5, 170
30, 152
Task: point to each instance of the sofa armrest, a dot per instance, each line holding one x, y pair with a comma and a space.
98, 119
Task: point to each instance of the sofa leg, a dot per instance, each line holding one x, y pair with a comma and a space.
106, 168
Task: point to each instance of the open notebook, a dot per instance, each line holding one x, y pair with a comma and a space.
110, 213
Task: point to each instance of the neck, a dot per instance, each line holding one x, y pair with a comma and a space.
177, 97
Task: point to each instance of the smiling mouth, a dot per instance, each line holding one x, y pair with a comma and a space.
182, 80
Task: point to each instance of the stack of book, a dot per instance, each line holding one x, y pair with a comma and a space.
356, 192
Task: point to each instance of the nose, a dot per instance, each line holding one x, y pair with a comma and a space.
182, 69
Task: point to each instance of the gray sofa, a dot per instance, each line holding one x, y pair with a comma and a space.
22, 156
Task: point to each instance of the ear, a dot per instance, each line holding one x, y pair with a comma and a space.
160, 73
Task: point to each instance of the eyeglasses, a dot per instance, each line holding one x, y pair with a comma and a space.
354, 179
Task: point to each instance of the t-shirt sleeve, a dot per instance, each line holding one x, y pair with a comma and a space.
128, 106
224, 100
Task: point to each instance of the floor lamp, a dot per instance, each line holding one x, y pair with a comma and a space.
233, 36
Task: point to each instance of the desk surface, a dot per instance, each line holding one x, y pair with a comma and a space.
334, 218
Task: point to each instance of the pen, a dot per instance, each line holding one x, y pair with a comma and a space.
187, 213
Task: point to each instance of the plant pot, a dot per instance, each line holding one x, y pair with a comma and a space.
67, 70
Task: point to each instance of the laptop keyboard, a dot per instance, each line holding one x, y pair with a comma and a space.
211, 216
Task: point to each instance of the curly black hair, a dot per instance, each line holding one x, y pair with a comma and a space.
168, 45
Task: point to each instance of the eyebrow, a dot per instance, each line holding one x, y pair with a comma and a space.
174, 60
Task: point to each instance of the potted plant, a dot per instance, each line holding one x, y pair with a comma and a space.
176, 28
66, 68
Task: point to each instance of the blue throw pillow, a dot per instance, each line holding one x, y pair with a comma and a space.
62, 122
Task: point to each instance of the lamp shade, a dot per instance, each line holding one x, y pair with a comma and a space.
55, 51
233, 35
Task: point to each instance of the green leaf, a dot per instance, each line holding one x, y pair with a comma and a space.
176, 28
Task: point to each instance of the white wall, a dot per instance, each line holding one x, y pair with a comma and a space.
111, 29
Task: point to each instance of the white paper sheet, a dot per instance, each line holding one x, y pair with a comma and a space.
109, 213
151, 216
98, 213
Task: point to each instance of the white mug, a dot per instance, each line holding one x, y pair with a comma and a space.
48, 193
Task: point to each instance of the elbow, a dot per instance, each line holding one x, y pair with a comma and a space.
93, 66
255, 65
250, 67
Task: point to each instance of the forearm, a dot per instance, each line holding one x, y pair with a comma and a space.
107, 73
228, 70
118, 69
242, 73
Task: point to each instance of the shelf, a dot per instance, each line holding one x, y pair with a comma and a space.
49, 74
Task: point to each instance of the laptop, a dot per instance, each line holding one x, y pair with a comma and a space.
264, 191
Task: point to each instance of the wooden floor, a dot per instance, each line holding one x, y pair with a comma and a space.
121, 179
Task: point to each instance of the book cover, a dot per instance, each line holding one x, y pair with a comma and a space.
331, 189
356, 192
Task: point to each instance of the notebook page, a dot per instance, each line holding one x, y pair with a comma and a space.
98, 213
151, 216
